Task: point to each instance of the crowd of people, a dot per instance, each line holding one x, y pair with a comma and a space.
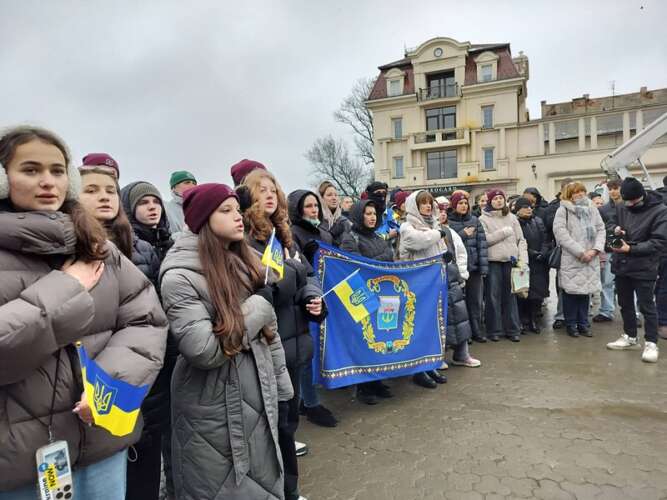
173, 294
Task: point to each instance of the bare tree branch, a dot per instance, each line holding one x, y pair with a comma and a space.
353, 112
331, 161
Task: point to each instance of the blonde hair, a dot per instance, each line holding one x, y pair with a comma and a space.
259, 226
573, 188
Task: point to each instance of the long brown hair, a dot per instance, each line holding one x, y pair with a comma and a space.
90, 235
259, 226
119, 229
229, 272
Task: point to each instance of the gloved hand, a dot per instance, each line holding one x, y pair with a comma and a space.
513, 261
447, 257
443, 233
245, 198
309, 250
266, 292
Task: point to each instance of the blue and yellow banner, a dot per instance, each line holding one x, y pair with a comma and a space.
273, 255
356, 298
389, 222
404, 335
114, 403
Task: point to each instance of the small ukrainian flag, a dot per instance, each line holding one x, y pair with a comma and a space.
355, 296
114, 403
273, 255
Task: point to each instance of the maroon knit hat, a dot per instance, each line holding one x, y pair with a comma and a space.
101, 160
400, 197
455, 198
201, 201
493, 192
243, 168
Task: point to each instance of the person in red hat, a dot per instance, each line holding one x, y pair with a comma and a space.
231, 377
101, 161
506, 248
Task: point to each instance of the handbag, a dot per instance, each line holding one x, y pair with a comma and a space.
520, 281
555, 255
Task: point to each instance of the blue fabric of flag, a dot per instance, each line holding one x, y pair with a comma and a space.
404, 335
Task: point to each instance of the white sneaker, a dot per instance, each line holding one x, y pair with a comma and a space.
301, 448
624, 343
470, 362
650, 354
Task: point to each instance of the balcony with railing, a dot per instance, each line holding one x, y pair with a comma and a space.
450, 92
443, 138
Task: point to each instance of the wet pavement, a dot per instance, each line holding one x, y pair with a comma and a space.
551, 417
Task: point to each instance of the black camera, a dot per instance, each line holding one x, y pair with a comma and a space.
614, 240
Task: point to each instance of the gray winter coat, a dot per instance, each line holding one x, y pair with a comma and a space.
224, 410
576, 277
43, 311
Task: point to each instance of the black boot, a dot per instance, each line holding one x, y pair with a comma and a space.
437, 377
572, 331
481, 340
423, 380
585, 331
381, 390
366, 396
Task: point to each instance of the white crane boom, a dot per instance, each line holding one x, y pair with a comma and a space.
632, 150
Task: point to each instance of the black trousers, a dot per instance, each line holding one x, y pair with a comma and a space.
575, 310
528, 310
143, 474
288, 422
626, 288
474, 297
502, 314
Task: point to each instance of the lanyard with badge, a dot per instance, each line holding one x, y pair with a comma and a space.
54, 469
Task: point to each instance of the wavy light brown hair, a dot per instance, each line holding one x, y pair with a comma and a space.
119, 230
91, 237
231, 274
573, 188
260, 226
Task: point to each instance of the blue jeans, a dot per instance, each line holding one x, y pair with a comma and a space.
104, 480
607, 299
575, 310
308, 392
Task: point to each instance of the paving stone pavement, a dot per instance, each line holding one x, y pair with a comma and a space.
550, 418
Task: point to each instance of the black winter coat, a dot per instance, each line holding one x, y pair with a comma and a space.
540, 208
364, 241
290, 296
476, 247
550, 215
646, 233
539, 247
145, 258
458, 322
304, 233
608, 211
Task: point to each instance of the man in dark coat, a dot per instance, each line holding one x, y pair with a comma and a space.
539, 248
661, 284
607, 296
641, 222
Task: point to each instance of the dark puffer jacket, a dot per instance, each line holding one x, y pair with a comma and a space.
305, 233
145, 258
458, 322
478, 257
646, 233
290, 296
158, 237
43, 311
364, 241
225, 411
608, 211
539, 247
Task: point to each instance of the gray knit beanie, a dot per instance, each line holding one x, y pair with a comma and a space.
141, 189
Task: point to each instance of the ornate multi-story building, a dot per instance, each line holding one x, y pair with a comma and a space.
453, 115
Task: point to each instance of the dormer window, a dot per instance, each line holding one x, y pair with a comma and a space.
395, 82
486, 72
487, 66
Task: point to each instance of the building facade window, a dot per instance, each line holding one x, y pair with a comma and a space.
441, 165
394, 87
441, 85
398, 167
488, 159
487, 72
397, 127
441, 118
487, 116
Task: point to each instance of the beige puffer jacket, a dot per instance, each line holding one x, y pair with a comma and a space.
504, 237
42, 312
419, 239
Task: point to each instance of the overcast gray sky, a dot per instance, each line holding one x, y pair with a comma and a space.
167, 85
